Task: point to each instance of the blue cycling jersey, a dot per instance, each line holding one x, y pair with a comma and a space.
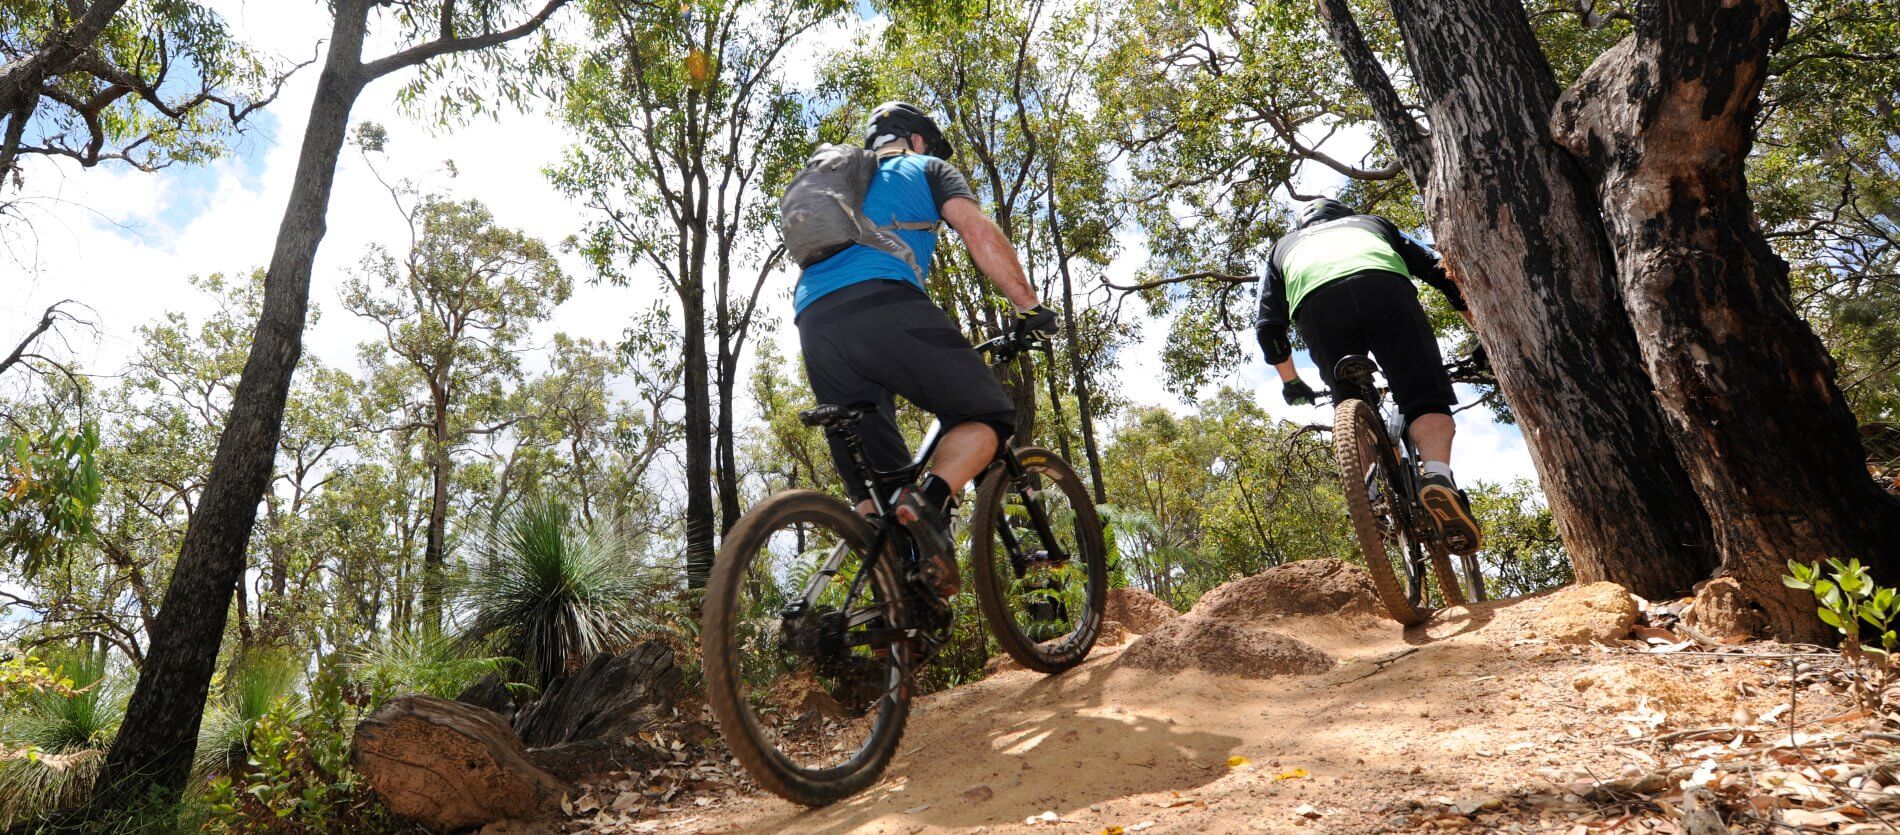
908, 188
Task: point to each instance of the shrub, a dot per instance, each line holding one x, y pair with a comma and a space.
548, 589
54, 740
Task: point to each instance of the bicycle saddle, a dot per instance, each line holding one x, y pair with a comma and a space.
828, 415
1355, 369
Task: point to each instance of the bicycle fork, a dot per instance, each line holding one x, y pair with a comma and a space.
1023, 481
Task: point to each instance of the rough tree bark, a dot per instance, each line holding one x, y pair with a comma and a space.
1665, 120
435, 543
1516, 215
153, 751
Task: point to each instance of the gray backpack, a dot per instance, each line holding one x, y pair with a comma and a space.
822, 212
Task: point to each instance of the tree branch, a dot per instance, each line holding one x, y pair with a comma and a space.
448, 45
1203, 275
1401, 130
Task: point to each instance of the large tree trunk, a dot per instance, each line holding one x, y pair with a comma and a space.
728, 454
158, 737
700, 525
1515, 214
1666, 120
434, 547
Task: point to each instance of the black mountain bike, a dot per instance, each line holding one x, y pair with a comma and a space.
1380, 477
816, 619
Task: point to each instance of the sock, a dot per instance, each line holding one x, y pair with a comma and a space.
1439, 468
937, 492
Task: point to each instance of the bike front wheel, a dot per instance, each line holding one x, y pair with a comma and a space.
1365, 464
811, 699
1042, 591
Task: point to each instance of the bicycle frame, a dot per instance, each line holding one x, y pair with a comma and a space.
882, 487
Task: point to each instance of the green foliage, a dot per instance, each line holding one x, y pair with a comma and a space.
1853, 604
53, 741
549, 590
417, 662
25, 676
256, 682
1523, 552
168, 84
296, 776
1848, 597
1228, 492
49, 486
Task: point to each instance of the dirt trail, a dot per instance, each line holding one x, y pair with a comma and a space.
1459, 712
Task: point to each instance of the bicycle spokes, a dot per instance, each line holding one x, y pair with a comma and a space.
819, 648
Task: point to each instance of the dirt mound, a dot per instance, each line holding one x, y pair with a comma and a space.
1303, 588
1215, 646
1138, 610
1572, 614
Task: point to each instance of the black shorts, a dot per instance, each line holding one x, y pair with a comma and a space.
1377, 313
875, 339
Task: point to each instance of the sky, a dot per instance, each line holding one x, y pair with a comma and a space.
126, 243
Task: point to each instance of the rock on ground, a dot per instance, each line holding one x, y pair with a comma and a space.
1217, 646
1137, 610
1296, 589
1581, 614
450, 766
1723, 613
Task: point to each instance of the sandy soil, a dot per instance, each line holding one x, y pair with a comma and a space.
1465, 711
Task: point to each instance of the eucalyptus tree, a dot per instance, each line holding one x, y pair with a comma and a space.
454, 309
153, 753
685, 125
146, 83
1616, 218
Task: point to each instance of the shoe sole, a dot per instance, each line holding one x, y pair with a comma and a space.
1455, 524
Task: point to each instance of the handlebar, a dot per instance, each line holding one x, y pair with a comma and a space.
1007, 347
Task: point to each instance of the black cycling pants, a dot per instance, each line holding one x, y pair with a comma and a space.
871, 340
1377, 313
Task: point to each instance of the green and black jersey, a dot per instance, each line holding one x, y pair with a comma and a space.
1326, 252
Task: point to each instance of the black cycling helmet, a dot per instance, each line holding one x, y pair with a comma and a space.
900, 120
1322, 210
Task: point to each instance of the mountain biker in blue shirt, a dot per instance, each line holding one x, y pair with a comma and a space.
1346, 279
868, 331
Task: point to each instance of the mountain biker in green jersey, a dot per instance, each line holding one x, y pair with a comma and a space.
1346, 280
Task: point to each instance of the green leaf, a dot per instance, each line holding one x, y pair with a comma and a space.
1795, 582
1829, 617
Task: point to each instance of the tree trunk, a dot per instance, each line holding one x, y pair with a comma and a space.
154, 747
1515, 214
1666, 120
434, 546
1078, 372
728, 455
698, 430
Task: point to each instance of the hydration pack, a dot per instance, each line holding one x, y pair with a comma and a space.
822, 212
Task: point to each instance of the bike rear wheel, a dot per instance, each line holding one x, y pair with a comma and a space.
810, 706
1046, 613
1448, 589
1476, 592
1365, 465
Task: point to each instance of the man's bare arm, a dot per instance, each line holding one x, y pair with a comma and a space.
991, 250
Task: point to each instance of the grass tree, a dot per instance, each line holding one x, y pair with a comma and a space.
548, 588
53, 741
